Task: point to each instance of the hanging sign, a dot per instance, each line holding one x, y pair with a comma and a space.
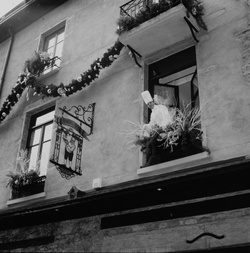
73, 126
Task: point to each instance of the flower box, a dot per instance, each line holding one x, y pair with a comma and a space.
37, 186
160, 32
160, 154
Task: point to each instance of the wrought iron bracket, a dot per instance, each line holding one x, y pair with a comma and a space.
192, 29
219, 237
65, 171
81, 111
73, 126
134, 53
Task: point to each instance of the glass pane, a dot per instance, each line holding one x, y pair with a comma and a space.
33, 157
48, 132
35, 137
50, 51
59, 48
44, 158
51, 42
185, 95
45, 118
60, 37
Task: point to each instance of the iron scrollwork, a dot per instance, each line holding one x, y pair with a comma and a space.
73, 126
219, 237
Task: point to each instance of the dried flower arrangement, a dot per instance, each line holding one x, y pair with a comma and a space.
38, 63
23, 175
181, 138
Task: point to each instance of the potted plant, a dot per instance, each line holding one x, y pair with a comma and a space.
127, 22
39, 63
25, 181
181, 138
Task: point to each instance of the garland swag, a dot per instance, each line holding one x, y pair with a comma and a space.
36, 65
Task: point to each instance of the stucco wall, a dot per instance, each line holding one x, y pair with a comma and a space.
90, 31
224, 88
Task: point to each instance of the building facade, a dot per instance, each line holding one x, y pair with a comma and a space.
83, 168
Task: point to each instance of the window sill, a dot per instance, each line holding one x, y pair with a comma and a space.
175, 165
52, 72
25, 199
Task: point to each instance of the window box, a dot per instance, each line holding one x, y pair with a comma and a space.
159, 32
157, 152
37, 186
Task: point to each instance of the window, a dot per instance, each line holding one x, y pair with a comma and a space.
52, 43
175, 78
39, 139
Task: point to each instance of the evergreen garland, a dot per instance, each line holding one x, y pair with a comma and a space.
36, 65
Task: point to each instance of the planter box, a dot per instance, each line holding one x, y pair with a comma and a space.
160, 32
29, 189
166, 155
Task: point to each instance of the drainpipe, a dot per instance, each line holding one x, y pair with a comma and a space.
6, 62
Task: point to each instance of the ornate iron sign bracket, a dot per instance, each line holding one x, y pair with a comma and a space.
73, 126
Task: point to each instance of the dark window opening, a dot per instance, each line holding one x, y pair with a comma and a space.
173, 82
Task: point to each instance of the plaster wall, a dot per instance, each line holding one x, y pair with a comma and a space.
224, 90
224, 87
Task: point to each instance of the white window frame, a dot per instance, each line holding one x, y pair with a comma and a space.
42, 43
178, 164
41, 141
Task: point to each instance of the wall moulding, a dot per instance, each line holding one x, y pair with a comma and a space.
244, 37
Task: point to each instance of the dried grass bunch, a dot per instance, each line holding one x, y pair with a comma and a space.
23, 175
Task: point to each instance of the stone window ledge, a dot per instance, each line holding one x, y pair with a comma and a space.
25, 199
175, 165
50, 73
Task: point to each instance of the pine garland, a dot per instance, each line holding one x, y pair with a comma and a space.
36, 65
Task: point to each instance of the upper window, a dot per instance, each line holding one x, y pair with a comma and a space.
175, 77
52, 43
39, 139
172, 82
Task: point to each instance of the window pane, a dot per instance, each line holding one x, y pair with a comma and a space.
50, 51
59, 48
45, 118
185, 95
48, 132
51, 42
60, 37
33, 157
35, 137
44, 158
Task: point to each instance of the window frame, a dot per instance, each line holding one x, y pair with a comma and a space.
42, 42
33, 109
42, 126
147, 85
